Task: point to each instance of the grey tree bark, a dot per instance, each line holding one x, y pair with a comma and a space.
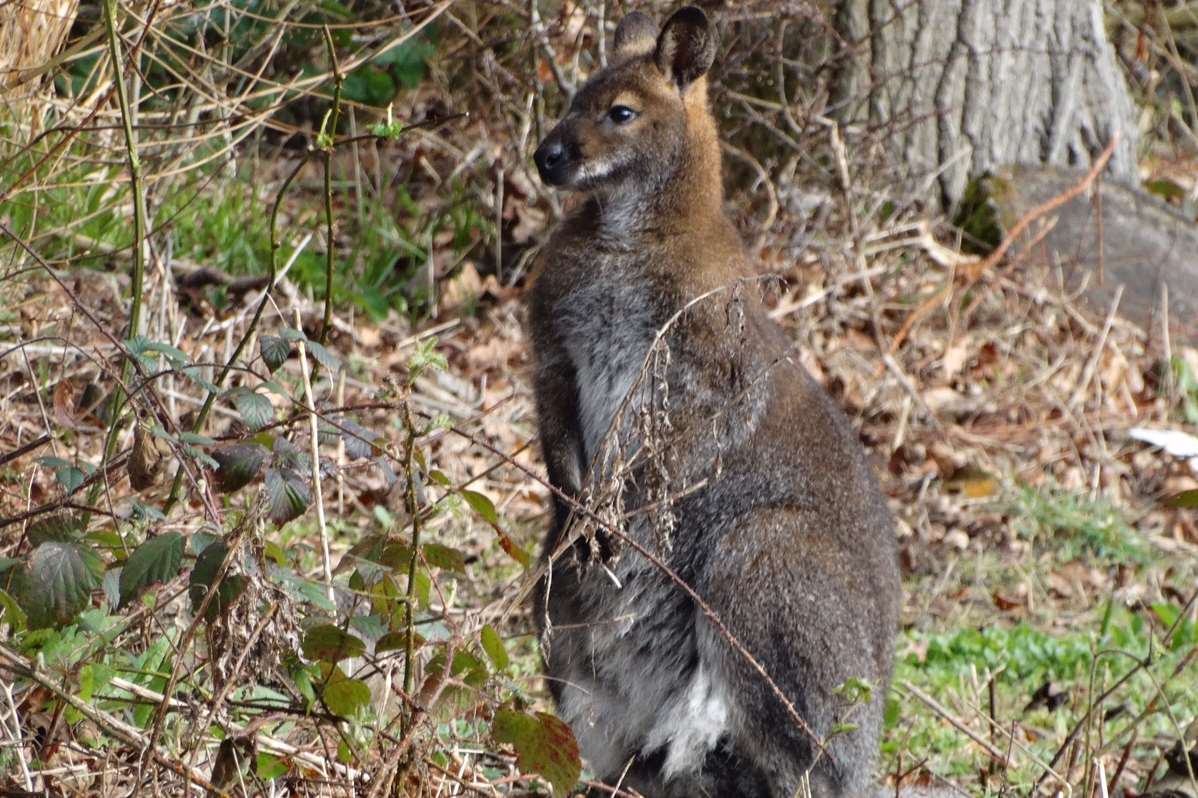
957, 87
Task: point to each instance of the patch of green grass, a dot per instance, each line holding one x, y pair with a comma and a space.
1077, 527
955, 666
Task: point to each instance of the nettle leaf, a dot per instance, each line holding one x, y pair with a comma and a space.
156, 560
59, 527
444, 557
255, 409
493, 646
481, 505
323, 356
239, 465
57, 583
204, 574
331, 644
544, 745
274, 350
288, 493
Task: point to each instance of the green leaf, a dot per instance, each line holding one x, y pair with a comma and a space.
544, 745
196, 375
239, 465
275, 350
444, 557
1186, 500
151, 670
359, 441
94, 677
345, 696
57, 583
70, 478
397, 641
369, 85
11, 612
323, 356
288, 493
196, 439
841, 728
156, 560
254, 408
493, 646
855, 690
270, 767
514, 550
204, 574
138, 346
408, 61
331, 644
177, 357
1166, 613
481, 505
59, 527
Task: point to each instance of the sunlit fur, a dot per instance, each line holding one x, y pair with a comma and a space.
774, 518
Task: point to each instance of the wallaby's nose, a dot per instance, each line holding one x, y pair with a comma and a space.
551, 158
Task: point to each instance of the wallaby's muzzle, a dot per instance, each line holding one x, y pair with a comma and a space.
556, 158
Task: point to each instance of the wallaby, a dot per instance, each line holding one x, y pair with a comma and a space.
715, 516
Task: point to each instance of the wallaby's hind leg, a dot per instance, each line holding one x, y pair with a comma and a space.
813, 622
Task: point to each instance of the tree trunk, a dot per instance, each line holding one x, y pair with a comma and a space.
956, 87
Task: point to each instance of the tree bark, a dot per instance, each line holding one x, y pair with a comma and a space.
956, 87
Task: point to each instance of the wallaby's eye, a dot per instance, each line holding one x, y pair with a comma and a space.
621, 114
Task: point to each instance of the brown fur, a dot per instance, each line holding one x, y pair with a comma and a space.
722, 458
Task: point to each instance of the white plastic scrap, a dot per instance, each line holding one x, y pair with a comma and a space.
1178, 444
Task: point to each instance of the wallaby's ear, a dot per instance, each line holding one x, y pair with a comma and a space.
686, 47
635, 35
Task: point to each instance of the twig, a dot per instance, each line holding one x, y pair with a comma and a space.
410, 640
139, 232
326, 146
953, 721
21, 451
318, 494
122, 731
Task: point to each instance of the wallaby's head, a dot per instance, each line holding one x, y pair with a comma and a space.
633, 125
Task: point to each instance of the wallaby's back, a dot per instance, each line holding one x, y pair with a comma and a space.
671, 409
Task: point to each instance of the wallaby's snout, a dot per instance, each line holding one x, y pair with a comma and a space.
556, 158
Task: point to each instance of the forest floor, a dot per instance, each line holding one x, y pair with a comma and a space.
1048, 635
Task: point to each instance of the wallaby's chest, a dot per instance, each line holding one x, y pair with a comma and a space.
607, 327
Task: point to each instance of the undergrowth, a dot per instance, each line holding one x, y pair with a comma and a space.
279, 538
